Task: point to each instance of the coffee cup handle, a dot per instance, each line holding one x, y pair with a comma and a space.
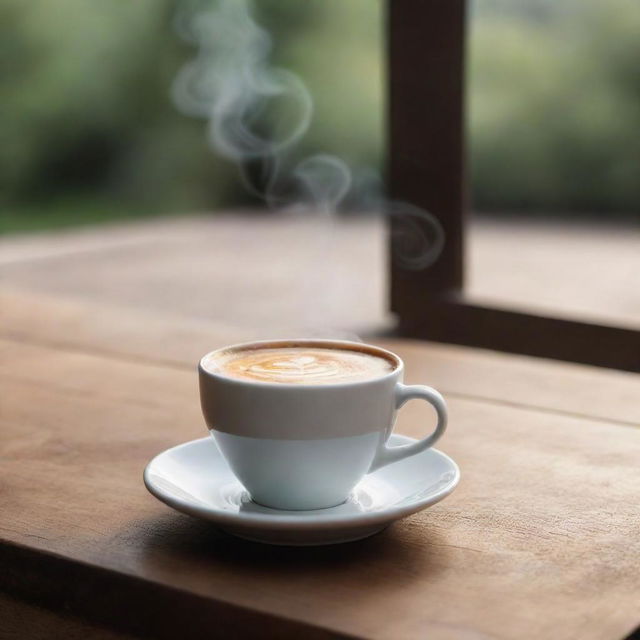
403, 393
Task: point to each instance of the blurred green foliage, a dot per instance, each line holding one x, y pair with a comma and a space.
88, 124
555, 105
87, 117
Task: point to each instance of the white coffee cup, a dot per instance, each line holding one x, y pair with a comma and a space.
306, 446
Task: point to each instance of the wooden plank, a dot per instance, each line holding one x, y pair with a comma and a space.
542, 538
22, 620
426, 132
545, 385
552, 271
160, 338
125, 604
140, 257
554, 386
454, 320
260, 271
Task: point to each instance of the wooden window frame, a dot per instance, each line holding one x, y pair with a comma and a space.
426, 166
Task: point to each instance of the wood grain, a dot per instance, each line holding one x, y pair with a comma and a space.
426, 159
542, 538
143, 265
475, 373
22, 620
257, 270
452, 318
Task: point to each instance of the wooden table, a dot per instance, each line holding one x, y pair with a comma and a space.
540, 540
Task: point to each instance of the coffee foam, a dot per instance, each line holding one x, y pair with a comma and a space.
302, 365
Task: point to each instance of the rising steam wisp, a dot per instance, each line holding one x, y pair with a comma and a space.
257, 113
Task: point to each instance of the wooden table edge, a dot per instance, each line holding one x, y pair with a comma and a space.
126, 603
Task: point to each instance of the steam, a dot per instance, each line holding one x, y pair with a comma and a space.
418, 237
257, 113
232, 85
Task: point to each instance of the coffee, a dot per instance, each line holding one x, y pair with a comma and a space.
289, 364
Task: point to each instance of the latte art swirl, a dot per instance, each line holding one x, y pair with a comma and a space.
301, 365
297, 367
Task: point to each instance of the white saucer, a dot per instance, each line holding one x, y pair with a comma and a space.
194, 478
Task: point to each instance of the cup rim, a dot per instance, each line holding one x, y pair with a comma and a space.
304, 342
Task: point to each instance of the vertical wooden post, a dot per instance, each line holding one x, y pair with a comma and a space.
426, 53
426, 167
